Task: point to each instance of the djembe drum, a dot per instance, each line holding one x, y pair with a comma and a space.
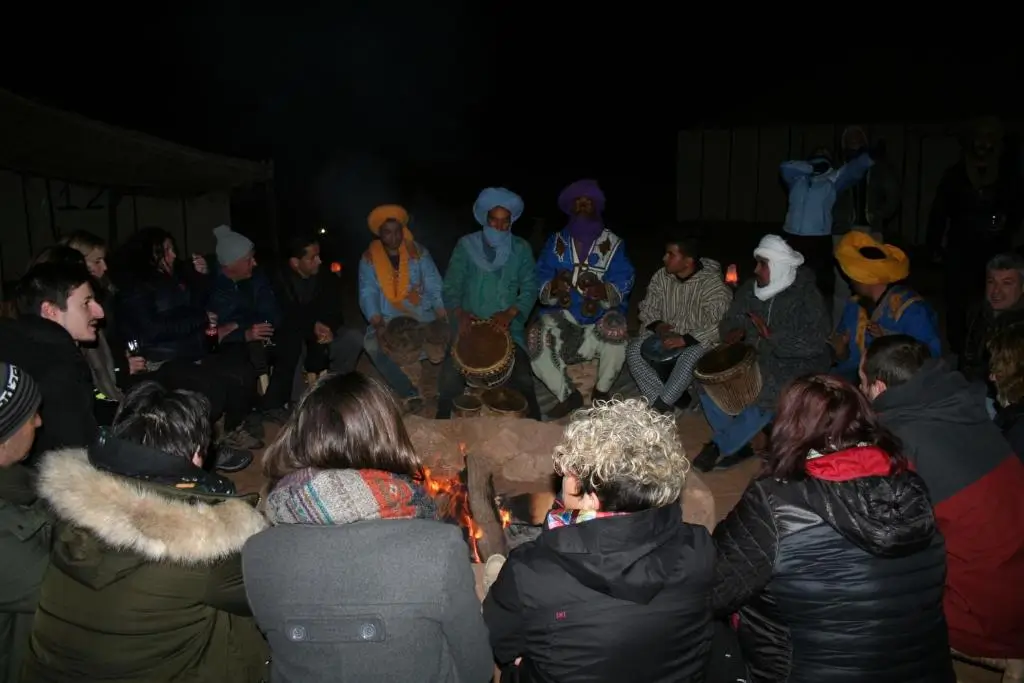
484, 354
662, 360
402, 341
504, 402
731, 377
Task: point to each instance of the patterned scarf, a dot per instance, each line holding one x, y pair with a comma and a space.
559, 516
313, 496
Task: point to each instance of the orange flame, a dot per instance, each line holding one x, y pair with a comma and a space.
452, 498
731, 277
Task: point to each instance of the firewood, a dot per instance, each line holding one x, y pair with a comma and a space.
480, 485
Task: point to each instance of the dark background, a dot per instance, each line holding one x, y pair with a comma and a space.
424, 104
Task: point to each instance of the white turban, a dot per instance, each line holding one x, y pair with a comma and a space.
782, 260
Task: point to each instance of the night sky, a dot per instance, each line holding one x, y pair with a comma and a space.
424, 102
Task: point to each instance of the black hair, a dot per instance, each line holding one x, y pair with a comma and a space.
690, 245
296, 244
139, 257
172, 422
894, 359
51, 282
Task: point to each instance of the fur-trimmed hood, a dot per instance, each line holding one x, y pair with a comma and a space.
141, 520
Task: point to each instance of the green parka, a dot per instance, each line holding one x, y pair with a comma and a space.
24, 554
145, 580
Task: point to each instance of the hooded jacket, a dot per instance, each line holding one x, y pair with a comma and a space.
621, 598
145, 580
693, 307
837, 576
975, 481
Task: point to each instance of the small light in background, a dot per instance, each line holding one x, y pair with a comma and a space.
323, 230
731, 278
336, 267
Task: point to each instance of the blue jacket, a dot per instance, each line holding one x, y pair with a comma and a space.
246, 302
811, 197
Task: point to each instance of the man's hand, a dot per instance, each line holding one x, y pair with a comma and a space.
324, 334
840, 342
597, 292
441, 313
505, 318
561, 284
673, 341
760, 324
414, 296
734, 336
663, 330
199, 263
875, 330
259, 332
136, 364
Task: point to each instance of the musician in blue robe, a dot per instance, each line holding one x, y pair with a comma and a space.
586, 278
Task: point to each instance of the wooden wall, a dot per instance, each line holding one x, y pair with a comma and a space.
733, 174
36, 212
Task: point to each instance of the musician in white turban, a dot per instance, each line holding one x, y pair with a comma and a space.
781, 313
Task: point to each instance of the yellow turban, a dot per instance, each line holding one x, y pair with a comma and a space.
893, 268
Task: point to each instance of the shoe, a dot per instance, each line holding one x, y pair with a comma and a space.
596, 396
573, 402
240, 439
253, 424
277, 416
727, 461
684, 401
662, 407
232, 459
707, 458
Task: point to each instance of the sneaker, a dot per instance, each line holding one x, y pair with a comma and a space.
707, 458
231, 459
573, 402
727, 461
241, 439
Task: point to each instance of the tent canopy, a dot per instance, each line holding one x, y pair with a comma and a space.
51, 143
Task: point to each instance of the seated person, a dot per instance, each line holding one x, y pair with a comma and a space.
24, 519
1002, 308
161, 306
880, 305
56, 313
311, 322
1006, 368
975, 482
585, 280
832, 557
782, 315
680, 313
145, 580
398, 279
345, 482
491, 276
615, 588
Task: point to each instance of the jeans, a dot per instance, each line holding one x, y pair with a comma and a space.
341, 355
393, 375
733, 433
451, 383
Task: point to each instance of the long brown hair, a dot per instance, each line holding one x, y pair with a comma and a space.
825, 414
345, 421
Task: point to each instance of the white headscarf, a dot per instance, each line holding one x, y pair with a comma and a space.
782, 260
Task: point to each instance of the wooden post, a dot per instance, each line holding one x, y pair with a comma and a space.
480, 486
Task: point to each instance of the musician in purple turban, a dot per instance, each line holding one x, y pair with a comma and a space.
585, 279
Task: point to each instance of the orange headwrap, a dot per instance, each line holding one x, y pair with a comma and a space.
393, 283
893, 268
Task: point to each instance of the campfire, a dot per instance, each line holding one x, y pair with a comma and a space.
457, 496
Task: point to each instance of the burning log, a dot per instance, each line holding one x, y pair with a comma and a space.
480, 485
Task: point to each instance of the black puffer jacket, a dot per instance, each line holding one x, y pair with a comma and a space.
623, 598
837, 577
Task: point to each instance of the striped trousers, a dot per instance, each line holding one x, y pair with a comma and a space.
647, 379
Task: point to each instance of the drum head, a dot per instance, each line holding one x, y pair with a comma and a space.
483, 347
655, 353
504, 400
403, 335
723, 358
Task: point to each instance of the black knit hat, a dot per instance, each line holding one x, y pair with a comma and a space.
19, 400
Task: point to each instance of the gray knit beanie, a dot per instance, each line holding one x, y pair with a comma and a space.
231, 245
19, 400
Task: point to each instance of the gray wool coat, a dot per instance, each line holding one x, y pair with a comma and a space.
799, 325
381, 600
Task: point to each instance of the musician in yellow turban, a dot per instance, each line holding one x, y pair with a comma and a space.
880, 304
397, 278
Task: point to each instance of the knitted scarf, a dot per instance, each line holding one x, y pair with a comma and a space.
312, 496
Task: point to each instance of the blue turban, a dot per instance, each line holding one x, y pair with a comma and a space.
493, 197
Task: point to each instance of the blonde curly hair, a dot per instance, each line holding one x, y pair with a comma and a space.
624, 446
